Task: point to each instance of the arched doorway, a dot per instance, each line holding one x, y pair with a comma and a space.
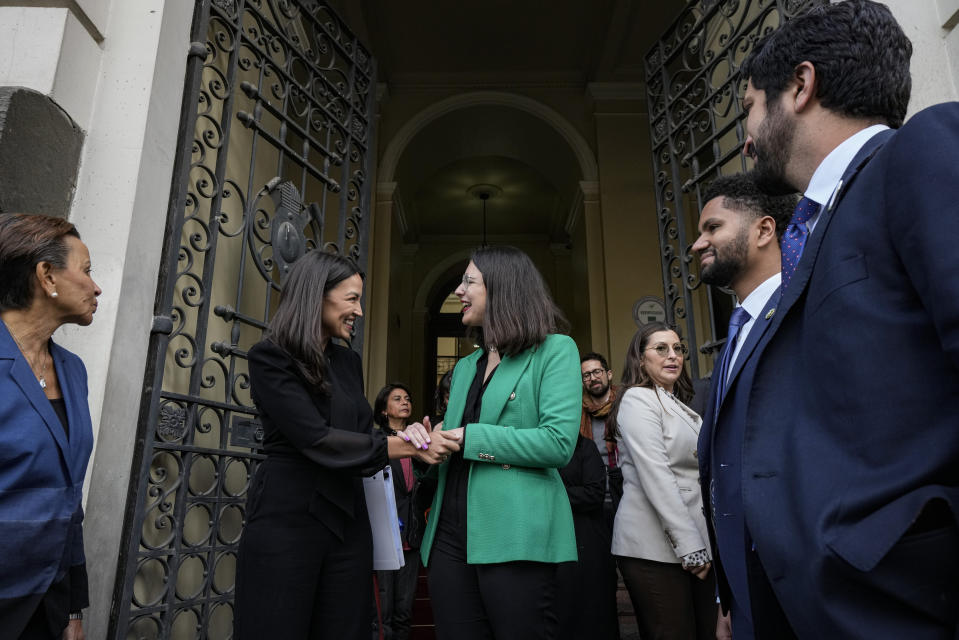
535, 160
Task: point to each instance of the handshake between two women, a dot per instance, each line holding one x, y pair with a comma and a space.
432, 445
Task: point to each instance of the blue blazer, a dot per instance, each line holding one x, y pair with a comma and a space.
851, 430
720, 466
41, 471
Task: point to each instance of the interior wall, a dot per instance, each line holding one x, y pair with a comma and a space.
631, 240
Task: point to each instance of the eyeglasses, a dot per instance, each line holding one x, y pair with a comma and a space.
468, 280
595, 373
662, 349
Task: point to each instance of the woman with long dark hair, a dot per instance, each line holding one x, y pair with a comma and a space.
305, 562
659, 535
501, 520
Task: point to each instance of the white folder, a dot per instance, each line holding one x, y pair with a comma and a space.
381, 505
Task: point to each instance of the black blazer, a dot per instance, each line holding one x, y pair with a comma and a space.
328, 436
720, 472
586, 594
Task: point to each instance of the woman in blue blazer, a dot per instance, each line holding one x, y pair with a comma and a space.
501, 521
45, 431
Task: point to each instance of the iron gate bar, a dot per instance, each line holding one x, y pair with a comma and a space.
684, 100
172, 421
159, 340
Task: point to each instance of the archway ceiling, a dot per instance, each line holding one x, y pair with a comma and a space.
528, 204
504, 41
514, 150
468, 45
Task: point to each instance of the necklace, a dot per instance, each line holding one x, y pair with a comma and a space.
33, 365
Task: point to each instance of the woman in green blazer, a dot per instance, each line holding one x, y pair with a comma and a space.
501, 520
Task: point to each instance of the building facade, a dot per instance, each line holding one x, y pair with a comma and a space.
201, 147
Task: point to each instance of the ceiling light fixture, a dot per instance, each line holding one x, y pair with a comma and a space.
484, 192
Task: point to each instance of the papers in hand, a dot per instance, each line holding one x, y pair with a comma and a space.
381, 505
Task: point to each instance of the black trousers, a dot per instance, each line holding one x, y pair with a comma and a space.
505, 601
670, 603
397, 592
295, 579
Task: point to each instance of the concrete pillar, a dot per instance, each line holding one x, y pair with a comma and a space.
596, 257
378, 295
120, 207
931, 26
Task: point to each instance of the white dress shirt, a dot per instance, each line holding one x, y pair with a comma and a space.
754, 304
825, 180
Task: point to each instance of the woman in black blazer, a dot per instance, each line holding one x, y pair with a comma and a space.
305, 562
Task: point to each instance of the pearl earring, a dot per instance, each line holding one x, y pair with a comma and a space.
54, 294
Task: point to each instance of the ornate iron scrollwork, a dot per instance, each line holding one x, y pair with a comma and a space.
696, 128
275, 88
289, 221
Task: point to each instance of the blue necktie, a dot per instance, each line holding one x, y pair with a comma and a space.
736, 321
794, 240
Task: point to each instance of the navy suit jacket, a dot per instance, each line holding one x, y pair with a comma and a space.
41, 471
720, 465
851, 427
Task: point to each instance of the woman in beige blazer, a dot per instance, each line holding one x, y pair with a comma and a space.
659, 536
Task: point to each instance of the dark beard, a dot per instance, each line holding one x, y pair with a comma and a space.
771, 147
600, 394
729, 264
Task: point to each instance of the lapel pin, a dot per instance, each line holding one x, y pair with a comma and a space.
770, 313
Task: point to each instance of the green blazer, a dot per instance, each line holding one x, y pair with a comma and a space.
516, 504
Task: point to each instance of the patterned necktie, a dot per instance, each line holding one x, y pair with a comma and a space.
736, 321
794, 240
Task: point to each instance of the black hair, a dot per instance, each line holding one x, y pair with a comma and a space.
860, 54
26, 240
741, 193
520, 311
379, 405
441, 395
592, 355
297, 325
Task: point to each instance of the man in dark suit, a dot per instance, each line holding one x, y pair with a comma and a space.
738, 247
850, 446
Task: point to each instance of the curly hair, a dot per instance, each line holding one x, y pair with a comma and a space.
741, 193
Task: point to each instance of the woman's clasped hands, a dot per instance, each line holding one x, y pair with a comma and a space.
433, 445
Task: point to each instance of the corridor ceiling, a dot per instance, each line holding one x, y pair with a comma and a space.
448, 47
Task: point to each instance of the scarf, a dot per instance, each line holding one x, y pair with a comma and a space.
595, 408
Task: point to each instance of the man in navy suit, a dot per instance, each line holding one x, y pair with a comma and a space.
850, 433
738, 247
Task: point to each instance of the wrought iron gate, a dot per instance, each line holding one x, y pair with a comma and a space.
276, 113
696, 126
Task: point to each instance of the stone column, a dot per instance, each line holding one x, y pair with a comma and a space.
378, 296
596, 257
